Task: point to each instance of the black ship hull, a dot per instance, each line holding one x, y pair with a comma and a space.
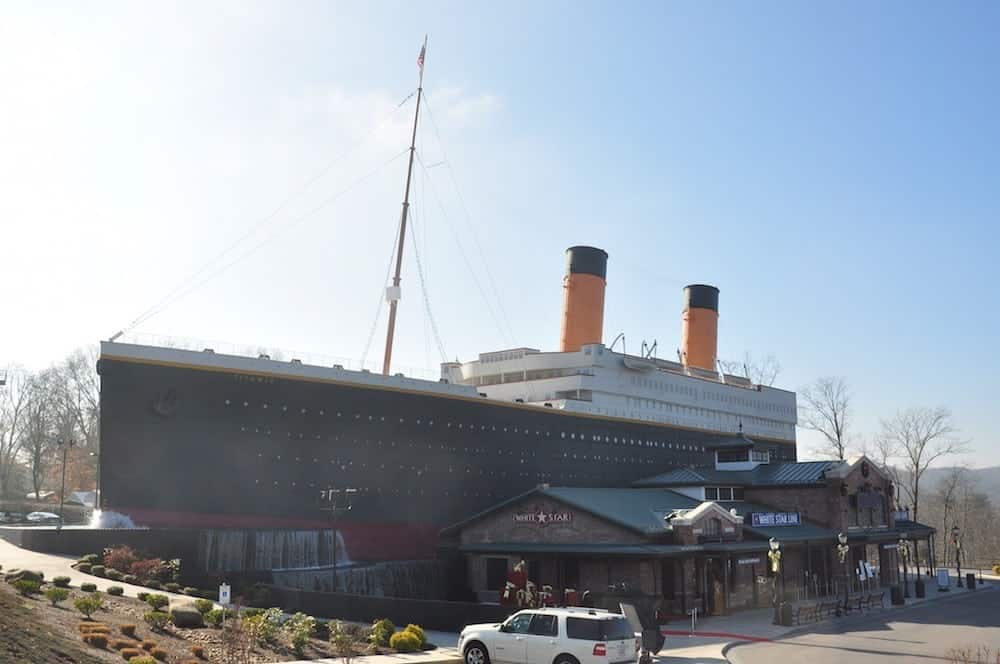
204, 447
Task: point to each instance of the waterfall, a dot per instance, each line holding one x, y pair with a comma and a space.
413, 578
245, 550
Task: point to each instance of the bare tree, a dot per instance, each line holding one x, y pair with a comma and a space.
13, 401
759, 372
918, 437
945, 499
826, 408
39, 425
79, 393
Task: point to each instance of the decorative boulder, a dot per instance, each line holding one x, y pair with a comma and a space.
184, 614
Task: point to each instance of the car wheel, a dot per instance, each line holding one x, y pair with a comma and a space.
475, 653
566, 659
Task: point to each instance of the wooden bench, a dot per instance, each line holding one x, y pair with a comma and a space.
827, 609
806, 613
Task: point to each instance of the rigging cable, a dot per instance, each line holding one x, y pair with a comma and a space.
156, 308
461, 249
294, 222
468, 221
427, 300
381, 297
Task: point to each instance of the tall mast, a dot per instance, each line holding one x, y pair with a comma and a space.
392, 293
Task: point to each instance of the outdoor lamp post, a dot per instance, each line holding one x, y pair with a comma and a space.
64, 445
774, 555
842, 551
904, 553
955, 532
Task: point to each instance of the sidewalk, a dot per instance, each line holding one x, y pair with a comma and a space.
53, 565
712, 634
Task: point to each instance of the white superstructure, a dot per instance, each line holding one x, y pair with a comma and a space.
599, 381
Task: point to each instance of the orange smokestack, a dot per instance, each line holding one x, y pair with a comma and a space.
583, 299
700, 326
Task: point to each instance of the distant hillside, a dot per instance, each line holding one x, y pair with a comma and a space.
987, 481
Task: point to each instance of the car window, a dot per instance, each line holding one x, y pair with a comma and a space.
617, 629
519, 624
586, 629
544, 625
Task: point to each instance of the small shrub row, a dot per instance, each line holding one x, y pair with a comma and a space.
27, 588
404, 641
97, 640
56, 595
142, 659
128, 630
128, 654
88, 605
148, 644
98, 570
88, 587
61, 581
90, 627
157, 620
157, 601
117, 591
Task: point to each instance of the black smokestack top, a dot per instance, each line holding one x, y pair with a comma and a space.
700, 296
587, 260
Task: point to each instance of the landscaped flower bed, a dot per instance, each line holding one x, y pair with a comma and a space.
111, 627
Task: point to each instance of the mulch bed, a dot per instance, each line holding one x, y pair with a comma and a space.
32, 631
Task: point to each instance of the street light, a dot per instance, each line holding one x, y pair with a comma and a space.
64, 445
955, 532
774, 555
903, 547
842, 551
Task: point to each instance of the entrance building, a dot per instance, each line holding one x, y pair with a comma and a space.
695, 538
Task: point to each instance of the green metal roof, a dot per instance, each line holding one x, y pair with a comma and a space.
641, 510
769, 474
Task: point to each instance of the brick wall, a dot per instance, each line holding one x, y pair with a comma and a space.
824, 505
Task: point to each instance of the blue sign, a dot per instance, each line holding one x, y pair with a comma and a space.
767, 519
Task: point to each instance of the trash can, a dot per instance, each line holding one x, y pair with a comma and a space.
785, 614
970, 581
896, 593
918, 588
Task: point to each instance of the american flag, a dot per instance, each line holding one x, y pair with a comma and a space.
420, 58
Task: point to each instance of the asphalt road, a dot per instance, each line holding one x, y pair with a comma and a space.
924, 633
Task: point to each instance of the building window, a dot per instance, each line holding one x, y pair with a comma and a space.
713, 527
711, 493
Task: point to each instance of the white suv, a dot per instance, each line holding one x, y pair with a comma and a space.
552, 636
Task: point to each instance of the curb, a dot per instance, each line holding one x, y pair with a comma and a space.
717, 635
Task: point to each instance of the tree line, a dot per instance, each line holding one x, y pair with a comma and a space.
43, 413
906, 446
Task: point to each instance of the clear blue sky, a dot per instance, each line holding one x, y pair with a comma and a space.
833, 168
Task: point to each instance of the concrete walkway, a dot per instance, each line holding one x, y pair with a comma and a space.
52, 565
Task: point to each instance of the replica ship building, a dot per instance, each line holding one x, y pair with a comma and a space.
202, 439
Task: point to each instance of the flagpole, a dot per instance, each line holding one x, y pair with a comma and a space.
393, 293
